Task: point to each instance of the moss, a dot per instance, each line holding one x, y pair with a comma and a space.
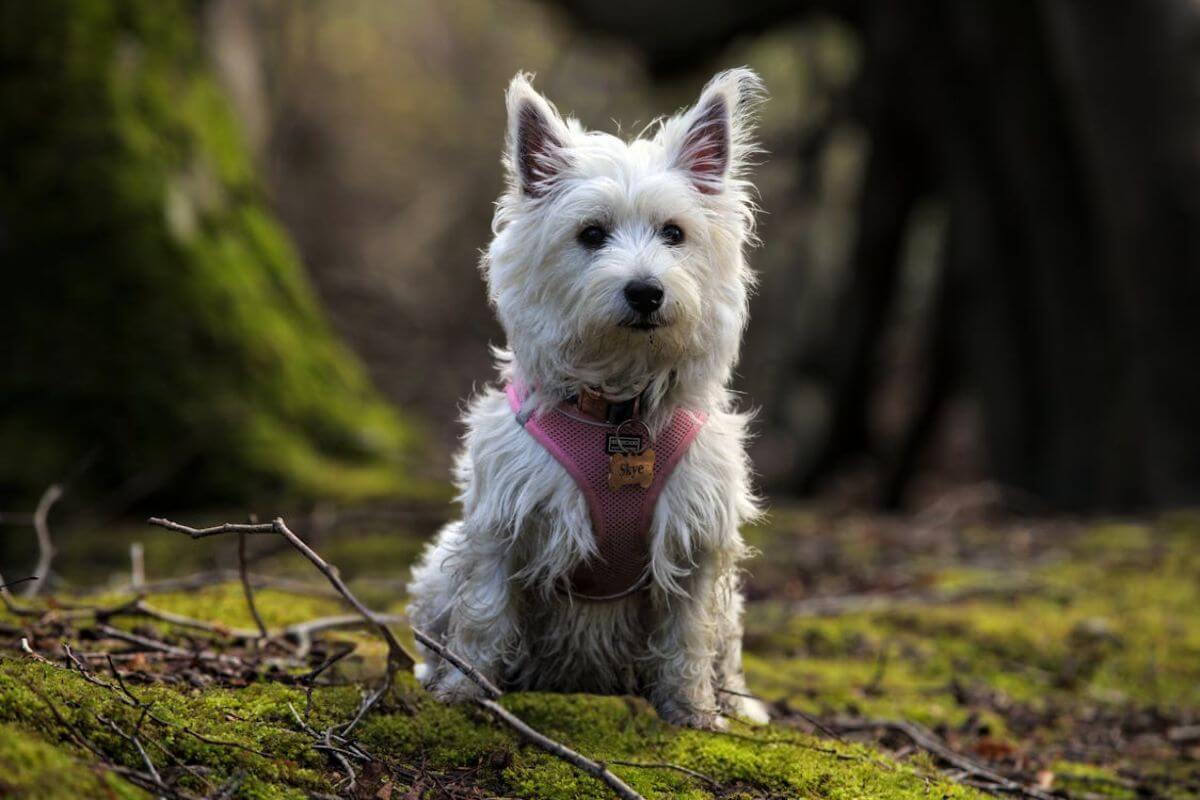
417, 730
1106, 629
33, 768
163, 315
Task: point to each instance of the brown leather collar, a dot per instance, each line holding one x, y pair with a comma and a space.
595, 404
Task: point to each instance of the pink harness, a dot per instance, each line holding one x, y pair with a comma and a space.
621, 517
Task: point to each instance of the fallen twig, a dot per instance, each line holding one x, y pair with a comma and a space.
244, 576
557, 749
137, 566
17, 582
150, 782
201, 580
713, 782
461, 664
45, 544
927, 740
398, 656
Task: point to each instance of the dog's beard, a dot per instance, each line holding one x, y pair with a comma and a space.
621, 359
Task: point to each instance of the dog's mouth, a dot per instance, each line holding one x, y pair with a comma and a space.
644, 323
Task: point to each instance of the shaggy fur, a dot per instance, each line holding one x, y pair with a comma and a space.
490, 585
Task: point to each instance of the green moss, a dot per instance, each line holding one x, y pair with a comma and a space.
33, 768
185, 339
414, 729
1106, 627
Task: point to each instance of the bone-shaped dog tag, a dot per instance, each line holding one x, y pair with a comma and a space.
631, 469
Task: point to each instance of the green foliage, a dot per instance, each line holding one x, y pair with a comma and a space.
152, 307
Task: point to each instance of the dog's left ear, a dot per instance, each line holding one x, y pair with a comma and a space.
716, 133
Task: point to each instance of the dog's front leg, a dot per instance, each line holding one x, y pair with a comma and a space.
683, 651
482, 628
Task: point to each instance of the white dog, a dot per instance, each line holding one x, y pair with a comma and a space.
604, 484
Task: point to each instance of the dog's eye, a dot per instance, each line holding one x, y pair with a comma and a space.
593, 236
672, 234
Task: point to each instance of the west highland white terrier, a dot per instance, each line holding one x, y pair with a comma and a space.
604, 481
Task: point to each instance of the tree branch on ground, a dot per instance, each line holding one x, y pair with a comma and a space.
41, 526
488, 702
925, 739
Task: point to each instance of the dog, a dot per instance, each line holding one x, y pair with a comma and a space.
604, 481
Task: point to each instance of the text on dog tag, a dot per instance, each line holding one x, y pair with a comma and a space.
631, 469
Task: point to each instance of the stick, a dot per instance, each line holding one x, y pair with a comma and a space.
666, 765
201, 580
45, 543
300, 631
162, 647
17, 582
29, 651
398, 657
493, 692
133, 739
137, 566
925, 739
244, 575
557, 749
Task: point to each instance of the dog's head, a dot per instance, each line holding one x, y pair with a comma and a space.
620, 264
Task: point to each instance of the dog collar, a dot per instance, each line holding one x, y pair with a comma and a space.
594, 403
621, 471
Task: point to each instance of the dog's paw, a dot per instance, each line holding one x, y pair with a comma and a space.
700, 720
424, 673
747, 709
454, 688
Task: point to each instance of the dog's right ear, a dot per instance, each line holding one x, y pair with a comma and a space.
537, 139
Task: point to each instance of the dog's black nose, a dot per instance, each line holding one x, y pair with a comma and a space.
644, 297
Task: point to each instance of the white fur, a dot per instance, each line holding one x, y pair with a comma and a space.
489, 585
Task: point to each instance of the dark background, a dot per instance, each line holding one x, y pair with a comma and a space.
238, 239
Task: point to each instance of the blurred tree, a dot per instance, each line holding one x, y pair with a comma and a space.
1062, 140
152, 311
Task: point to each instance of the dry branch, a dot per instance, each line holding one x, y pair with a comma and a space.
462, 665
557, 749
244, 576
45, 544
398, 656
713, 782
925, 739
202, 580
6, 586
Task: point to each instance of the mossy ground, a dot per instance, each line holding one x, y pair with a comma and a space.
1063, 649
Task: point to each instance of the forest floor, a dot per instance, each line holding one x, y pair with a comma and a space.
928, 656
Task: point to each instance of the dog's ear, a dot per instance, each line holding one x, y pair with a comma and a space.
716, 137
537, 139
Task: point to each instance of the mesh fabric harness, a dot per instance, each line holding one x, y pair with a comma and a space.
621, 518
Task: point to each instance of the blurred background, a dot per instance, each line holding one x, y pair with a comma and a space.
238, 275
238, 240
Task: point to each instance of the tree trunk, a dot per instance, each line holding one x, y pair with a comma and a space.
1062, 140
152, 310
